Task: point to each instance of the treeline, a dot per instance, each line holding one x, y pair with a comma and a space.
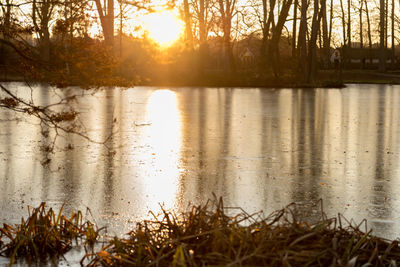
236, 40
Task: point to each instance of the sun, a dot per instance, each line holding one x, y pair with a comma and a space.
163, 27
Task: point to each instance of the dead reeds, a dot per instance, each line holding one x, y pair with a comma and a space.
207, 235
44, 234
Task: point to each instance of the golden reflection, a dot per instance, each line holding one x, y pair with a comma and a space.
163, 136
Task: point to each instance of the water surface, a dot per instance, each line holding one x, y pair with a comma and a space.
259, 149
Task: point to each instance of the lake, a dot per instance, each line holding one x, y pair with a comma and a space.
259, 149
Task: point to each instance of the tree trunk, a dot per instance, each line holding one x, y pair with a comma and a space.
343, 23
268, 16
6, 19
276, 36
106, 15
202, 23
361, 25
330, 23
110, 15
325, 37
393, 36
386, 23
65, 36
41, 15
201, 10
302, 43
294, 31
361, 33
265, 32
6, 35
349, 23
368, 31
121, 28
226, 8
188, 25
312, 46
382, 56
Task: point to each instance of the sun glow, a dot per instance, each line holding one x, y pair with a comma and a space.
163, 27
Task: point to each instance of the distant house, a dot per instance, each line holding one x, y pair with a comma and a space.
366, 55
247, 58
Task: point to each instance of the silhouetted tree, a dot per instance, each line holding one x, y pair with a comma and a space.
368, 29
325, 33
393, 34
266, 22
227, 11
312, 46
343, 18
106, 15
294, 29
276, 35
202, 18
349, 23
302, 42
382, 56
42, 13
188, 25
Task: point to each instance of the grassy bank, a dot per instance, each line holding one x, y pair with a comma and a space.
365, 76
203, 236
209, 79
326, 79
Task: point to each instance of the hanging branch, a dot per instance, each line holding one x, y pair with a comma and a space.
47, 116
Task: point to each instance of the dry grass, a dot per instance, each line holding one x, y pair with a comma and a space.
206, 235
210, 237
45, 234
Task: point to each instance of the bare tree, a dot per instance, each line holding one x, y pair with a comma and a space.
349, 23
267, 21
382, 56
360, 10
188, 25
343, 23
386, 23
393, 35
5, 19
227, 11
294, 30
330, 23
302, 42
123, 11
276, 35
71, 21
202, 18
42, 13
368, 30
325, 33
106, 15
312, 46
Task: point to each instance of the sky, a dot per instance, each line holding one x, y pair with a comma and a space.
165, 26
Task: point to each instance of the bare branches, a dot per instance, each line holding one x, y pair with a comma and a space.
18, 50
63, 121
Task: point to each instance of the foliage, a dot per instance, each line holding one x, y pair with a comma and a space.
86, 63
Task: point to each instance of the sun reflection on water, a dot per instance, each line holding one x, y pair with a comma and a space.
258, 149
163, 136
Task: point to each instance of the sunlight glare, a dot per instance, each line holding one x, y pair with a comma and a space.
163, 27
164, 140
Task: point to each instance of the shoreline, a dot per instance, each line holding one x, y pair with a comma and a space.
325, 81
